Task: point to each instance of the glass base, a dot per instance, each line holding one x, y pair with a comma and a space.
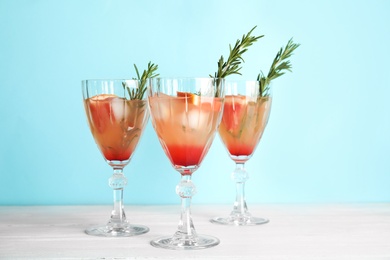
239, 221
126, 231
200, 242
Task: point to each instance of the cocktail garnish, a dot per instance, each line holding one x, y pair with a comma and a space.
191, 98
278, 67
140, 91
232, 64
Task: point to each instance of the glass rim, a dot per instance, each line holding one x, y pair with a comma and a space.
241, 80
108, 79
185, 78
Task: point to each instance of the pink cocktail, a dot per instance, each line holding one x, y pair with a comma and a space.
185, 114
116, 124
243, 122
244, 119
117, 121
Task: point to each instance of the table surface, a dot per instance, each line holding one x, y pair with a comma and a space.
337, 231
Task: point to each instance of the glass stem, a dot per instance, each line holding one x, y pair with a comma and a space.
117, 182
186, 189
240, 176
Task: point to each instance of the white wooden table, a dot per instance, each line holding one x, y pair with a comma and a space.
346, 231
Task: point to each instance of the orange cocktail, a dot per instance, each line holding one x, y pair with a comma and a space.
116, 124
243, 122
185, 114
117, 114
185, 124
246, 111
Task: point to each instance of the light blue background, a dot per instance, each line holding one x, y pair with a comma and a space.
328, 135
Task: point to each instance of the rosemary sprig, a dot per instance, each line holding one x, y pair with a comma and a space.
233, 63
139, 92
279, 66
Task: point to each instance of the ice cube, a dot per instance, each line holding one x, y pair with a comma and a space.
118, 107
195, 118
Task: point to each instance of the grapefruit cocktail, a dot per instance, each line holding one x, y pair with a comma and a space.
116, 125
243, 123
185, 114
185, 124
117, 121
244, 119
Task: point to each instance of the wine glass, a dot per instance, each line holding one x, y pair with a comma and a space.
246, 111
185, 113
117, 113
